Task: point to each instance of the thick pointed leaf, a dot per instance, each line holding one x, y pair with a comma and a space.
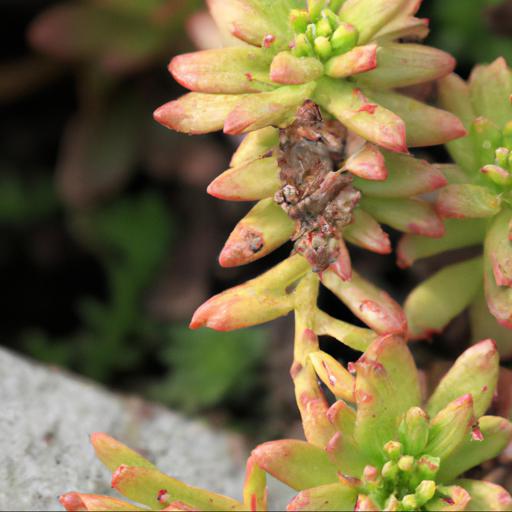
333, 375
476, 373
407, 177
450, 426
368, 163
387, 386
366, 232
499, 298
408, 215
354, 337
343, 417
358, 60
336, 496
452, 499
467, 202
454, 96
197, 113
290, 70
401, 65
499, 247
255, 487
483, 324
356, 12
496, 433
226, 70
369, 120
486, 496
490, 88
404, 27
113, 454
74, 501
256, 145
276, 108
254, 20
258, 301
454, 174
375, 307
458, 234
425, 125
265, 228
346, 456
251, 181
438, 300
298, 464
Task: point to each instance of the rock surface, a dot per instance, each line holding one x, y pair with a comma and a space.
47, 416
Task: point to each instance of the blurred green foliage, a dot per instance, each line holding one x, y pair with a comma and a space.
209, 366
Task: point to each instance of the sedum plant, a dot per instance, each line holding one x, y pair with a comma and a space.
380, 447
477, 204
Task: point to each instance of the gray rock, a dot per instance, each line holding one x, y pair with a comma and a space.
47, 416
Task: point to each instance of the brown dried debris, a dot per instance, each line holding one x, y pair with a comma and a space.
315, 193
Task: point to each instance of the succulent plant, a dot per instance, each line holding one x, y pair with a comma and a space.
477, 204
140, 481
378, 447
311, 83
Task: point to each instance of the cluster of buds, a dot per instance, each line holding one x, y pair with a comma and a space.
478, 208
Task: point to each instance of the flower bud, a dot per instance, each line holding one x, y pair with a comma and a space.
409, 502
299, 19
315, 8
323, 47
425, 492
414, 431
427, 467
389, 471
393, 449
406, 463
497, 174
323, 27
502, 157
303, 46
344, 38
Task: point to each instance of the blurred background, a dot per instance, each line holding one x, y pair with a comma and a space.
108, 239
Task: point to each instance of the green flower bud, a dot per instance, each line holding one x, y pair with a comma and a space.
406, 463
323, 48
409, 502
427, 467
299, 19
323, 27
303, 47
333, 18
315, 8
425, 492
392, 504
414, 431
393, 450
502, 157
389, 471
345, 37
311, 32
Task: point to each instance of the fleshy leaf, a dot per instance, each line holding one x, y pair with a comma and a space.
387, 386
333, 375
458, 234
336, 496
265, 228
226, 70
454, 96
197, 113
256, 145
499, 248
257, 301
408, 215
74, 501
496, 433
476, 373
356, 12
343, 417
467, 201
367, 163
251, 181
253, 20
425, 125
449, 427
486, 496
407, 177
375, 307
346, 456
289, 70
113, 454
298, 464
276, 108
366, 232
401, 65
358, 60
369, 120
439, 299
453, 499
149, 486
490, 87
255, 487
